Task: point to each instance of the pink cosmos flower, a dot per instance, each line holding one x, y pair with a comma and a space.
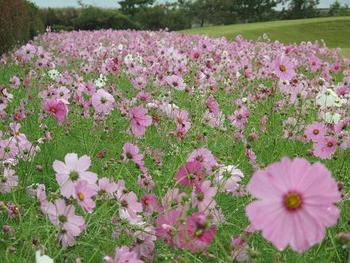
139, 121
149, 203
58, 108
197, 234
102, 102
295, 203
176, 82
325, 147
315, 131
144, 246
212, 105
240, 249
70, 225
8, 180
70, 171
283, 68
84, 193
132, 152
167, 225
105, 186
15, 81
130, 204
8, 149
205, 157
123, 255
189, 173
203, 196
173, 198
240, 117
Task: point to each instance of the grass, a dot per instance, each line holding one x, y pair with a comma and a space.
334, 31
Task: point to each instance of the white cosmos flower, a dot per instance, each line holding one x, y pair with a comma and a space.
101, 81
39, 258
327, 98
53, 74
332, 117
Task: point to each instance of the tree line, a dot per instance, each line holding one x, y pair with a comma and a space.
181, 14
21, 20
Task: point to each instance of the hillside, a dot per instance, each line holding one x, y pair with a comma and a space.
334, 30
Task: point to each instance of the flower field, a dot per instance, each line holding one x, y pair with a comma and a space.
135, 146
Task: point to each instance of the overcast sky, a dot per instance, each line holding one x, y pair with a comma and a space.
113, 3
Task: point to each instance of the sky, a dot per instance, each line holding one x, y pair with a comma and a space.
113, 3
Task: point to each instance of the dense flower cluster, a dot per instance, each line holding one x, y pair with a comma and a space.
168, 84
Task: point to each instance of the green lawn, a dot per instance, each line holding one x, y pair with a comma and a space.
334, 30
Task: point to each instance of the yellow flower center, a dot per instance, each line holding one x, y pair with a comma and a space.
292, 201
283, 68
81, 196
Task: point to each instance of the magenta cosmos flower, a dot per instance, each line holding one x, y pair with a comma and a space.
189, 173
139, 121
295, 203
197, 234
58, 108
74, 168
283, 68
102, 102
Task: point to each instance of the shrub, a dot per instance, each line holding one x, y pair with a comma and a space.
92, 18
19, 22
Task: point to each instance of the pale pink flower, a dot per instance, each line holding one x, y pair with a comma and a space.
69, 224
106, 186
203, 196
139, 120
132, 152
176, 82
8, 180
325, 147
84, 192
295, 203
205, 157
102, 102
72, 170
130, 204
283, 68
123, 255
315, 131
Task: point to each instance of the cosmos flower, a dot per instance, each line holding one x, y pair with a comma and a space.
283, 68
325, 147
315, 131
70, 171
58, 108
102, 102
139, 121
295, 203
69, 224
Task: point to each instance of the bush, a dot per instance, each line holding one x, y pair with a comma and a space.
19, 22
92, 18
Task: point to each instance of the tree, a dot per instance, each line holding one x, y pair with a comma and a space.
336, 9
131, 7
254, 10
303, 8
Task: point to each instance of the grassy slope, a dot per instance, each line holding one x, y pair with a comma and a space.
334, 30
